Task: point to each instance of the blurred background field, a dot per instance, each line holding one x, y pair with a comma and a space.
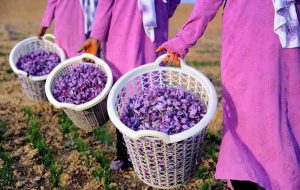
80, 158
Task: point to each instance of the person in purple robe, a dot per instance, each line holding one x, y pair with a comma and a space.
260, 70
129, 32
74, 20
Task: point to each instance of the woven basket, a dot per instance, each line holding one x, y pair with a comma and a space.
160, 160
91, 114
33, 86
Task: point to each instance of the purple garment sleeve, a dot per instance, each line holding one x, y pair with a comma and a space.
203, 12
173, 4
102, 20
49, 13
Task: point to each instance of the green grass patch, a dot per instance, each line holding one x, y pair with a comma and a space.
56, 170
100, 173
67, 128
212, 145
207, 185
204, 63
202, 173
101, 134
66, 125
106, 179
39, 142
81, 146
101, 158
6, 174
27, 111
205, 172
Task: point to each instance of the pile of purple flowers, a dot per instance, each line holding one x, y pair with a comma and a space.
169, 110
80, 84
38, 63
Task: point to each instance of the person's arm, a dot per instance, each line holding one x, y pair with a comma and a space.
204, 11
49, 13
47, 18
102, 20
101, 27
173, 4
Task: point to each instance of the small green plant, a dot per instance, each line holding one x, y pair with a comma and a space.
212, 146
38, 142
103, 173
55, 171
66, 125
206, 186
201, 172
100, 157
102, 135
81, 145
98, 173
106, 179
6, 174
27, 111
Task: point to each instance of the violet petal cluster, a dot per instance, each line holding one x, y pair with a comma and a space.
168, 110
80, 84
38, 63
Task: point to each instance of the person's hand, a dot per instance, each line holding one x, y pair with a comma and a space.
171, 58
91, 46
42, 32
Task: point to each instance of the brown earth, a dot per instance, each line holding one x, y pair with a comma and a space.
19, 19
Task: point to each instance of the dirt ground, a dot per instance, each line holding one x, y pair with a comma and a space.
20, 19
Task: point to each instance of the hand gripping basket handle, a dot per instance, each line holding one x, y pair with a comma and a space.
161, 58
49, 36
151, 133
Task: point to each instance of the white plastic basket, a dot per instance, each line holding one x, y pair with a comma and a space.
33, 86
90, 114
160, 160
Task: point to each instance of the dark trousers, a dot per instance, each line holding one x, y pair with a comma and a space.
121, 148
245, 185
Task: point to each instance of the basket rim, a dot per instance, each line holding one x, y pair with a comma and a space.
22, 73
89, 104
150, 67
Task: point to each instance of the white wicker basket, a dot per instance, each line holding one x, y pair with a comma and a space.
33, 86
160, 160
91, 114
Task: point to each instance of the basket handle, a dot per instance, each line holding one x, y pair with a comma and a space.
151, 133
161, 58
88, 56
49, 36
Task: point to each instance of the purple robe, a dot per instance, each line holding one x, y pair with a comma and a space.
119, 27
68, 26
261, 93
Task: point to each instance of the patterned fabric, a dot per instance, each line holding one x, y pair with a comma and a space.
89, 8
147, 7
286, 23
260, 92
